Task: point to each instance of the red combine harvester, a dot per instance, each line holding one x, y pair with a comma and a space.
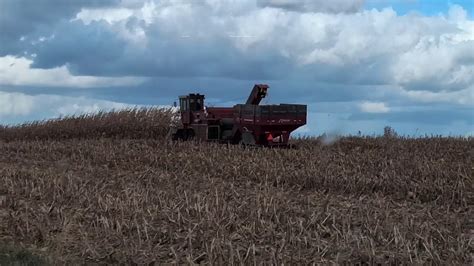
248, 124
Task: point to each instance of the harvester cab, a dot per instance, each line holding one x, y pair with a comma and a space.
189, 105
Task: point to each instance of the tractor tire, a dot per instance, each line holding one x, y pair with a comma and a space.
178, 135
190, 134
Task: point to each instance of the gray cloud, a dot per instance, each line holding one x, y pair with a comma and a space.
332, 6
21, 18
97, 49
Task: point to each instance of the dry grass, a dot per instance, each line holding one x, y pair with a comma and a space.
143, 200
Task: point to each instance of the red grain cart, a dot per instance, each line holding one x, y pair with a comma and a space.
247, 124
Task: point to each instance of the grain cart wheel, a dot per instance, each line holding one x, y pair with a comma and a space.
189, 134
178, 135
293, 146
248, 139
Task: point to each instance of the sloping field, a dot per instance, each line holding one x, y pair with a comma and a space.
122, 195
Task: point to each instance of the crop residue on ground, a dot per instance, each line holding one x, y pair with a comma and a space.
124, 194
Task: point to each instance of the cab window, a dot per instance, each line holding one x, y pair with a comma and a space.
183, 104
199, 104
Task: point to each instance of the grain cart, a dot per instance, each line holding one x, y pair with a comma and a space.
247, 124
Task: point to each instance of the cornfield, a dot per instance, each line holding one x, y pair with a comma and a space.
127, 123
110, 188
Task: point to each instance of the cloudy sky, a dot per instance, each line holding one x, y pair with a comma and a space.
359, 65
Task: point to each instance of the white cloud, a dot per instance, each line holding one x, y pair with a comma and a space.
457, 13
17, 71
436, 61
302, 130
111, 15
374, 107
15, 104
332, 6
462, 97
118, 16
18, 105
